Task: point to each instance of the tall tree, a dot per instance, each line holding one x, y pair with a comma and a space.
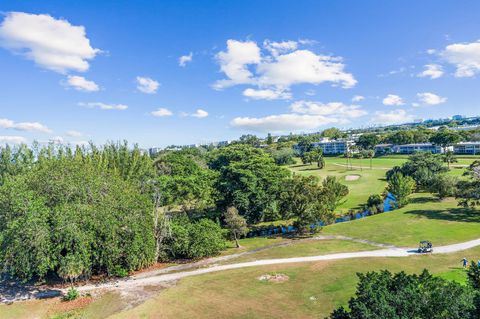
401, 187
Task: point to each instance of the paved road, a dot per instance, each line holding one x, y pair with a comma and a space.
389, 252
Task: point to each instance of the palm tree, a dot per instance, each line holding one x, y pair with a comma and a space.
370, 154
449, 157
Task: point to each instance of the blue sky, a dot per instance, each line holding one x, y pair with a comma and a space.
110, 70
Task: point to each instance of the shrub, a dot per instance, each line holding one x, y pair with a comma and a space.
71, 294
195, 240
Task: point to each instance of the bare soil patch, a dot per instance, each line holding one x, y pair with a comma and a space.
352, 177
278, 278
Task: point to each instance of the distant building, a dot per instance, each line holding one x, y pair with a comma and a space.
154, 151
417, 147
383, 148
333, 147
458, 117
472, 148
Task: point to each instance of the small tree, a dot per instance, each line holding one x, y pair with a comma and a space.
449, 157
401, 187
444, 186
236, 224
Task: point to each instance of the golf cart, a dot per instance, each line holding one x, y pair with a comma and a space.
425, 247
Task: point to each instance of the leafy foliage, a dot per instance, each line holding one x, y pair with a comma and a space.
249, 180
468, 191
235, 223
382, 295
401, 187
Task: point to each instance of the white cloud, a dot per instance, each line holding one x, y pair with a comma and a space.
162, 112
333, 108
397, 116
147, 85
73, 133
184, 59
281, 66
234, 63
8, 139
199, 113
56, 140
51, 43
433, 71
392, 99
276, 48
24, 126
464, 56
267, 94
79, 83
428, 98
303, 66
358, 98
104, 106
310, 92
283, 122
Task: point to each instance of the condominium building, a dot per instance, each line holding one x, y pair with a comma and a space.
472, 148
333, 147
417, 147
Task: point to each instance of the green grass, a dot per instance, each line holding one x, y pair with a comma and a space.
441, 222
313, 290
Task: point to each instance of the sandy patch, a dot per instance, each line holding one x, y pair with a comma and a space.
274, 278
352, 177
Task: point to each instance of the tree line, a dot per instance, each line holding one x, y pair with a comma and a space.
70, 213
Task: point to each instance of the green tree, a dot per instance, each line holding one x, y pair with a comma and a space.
236, 224
444, 186
382, 295
449, 157
308, 201
248, 179
401, 187
445, 137
368, 141
468, 191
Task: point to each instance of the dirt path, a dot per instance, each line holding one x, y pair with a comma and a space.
162, 276
388, 252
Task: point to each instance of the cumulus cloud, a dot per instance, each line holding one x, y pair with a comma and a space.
280, 66
392, 99
276, 48
147, 85
53, 44
464, 56
104, 106
358, 98
432, 71
282, 122
333, 108
184, 59
79, 83
8, 139
397, 116
162, 112
428, 98
267, 94
73, 133
199, 113
24, 126
234, 63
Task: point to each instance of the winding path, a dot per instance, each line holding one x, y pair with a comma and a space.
389, 252
9, 294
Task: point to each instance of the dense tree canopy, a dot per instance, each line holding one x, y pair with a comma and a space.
248, 179
383, 295
72, 218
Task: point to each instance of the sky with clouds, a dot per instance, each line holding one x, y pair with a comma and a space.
181, 72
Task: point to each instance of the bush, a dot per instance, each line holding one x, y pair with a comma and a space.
120, 272
71, 294
375, 204
194, 240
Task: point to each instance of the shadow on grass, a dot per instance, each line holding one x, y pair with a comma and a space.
424, 199
454, 214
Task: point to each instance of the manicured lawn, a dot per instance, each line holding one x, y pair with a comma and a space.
441, 222
312, 291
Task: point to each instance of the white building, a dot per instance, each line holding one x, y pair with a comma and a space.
417, 147
472, 148
333, 147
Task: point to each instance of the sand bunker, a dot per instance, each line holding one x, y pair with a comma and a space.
274, 278
352, 177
